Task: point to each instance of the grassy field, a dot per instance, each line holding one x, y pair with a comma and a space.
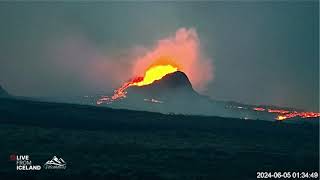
119, 144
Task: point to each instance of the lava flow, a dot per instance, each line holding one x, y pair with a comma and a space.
152, 74
298, 114
285, 114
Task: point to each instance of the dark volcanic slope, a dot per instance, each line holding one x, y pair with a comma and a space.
170, 86
121, 144
3, 93
171, 81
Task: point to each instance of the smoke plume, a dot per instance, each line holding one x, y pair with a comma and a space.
90, 67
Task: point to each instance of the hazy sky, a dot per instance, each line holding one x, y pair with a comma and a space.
262, 53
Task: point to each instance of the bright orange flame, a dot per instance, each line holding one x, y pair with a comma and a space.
154, 73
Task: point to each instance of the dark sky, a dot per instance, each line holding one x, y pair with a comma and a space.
263, 53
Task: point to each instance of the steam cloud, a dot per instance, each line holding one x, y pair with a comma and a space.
184, 51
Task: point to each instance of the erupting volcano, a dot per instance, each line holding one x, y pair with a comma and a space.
168, 77
166, 84
152, 74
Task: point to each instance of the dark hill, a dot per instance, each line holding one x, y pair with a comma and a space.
173, 84
173, 80
171, 94
3, 93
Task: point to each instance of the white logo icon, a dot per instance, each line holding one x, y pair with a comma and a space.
55, 163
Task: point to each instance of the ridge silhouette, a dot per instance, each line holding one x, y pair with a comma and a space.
3, 92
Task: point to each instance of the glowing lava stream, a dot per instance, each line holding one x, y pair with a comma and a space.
285, 114
152, 74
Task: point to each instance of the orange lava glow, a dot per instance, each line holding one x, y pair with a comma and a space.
285, 114
280, 111
152, 74
155, 73
280, 118
298, 114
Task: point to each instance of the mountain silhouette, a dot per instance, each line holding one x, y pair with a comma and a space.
173, 85
3, 93
173, 93
176, 79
